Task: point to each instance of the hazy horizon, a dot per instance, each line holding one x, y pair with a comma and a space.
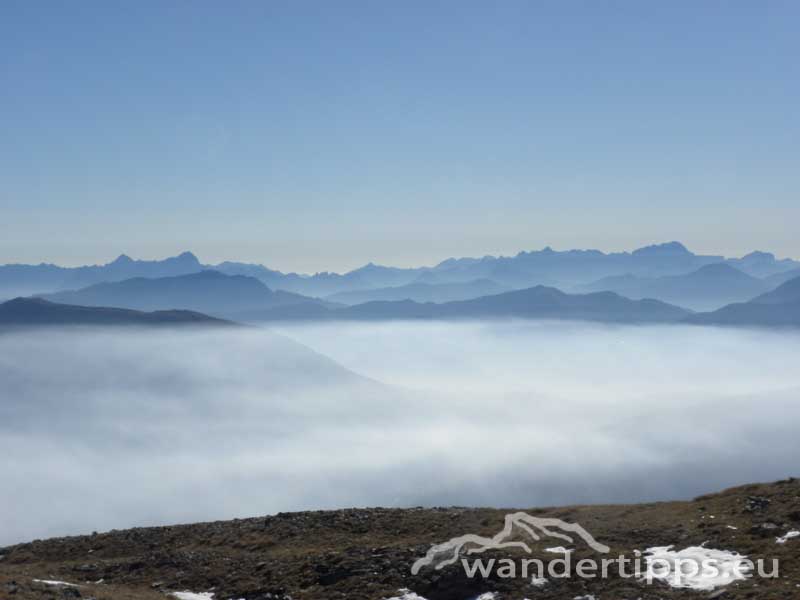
391, 259
367, 260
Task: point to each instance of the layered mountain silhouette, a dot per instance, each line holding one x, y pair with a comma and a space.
423, 292
707, 288
777, 279
778, 308
567, 270
785, 293
26, 280
208, 292
538, 302
546, 266
368, 277
762, 264
36, 312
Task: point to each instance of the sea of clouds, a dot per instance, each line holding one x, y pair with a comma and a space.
121, 428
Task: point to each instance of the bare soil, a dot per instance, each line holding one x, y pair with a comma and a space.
366, 554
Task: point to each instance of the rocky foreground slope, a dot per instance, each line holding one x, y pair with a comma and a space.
368, 553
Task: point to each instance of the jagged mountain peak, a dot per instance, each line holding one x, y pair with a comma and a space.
122, 259
758, 255
665, 249
188, 257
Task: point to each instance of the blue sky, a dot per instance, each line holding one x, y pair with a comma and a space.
322, 135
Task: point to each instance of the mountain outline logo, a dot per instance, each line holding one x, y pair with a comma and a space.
447, 553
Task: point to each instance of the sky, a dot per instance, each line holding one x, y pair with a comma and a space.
322, 135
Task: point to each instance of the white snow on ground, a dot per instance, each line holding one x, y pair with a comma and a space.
787, 537
538, 581
406, 594
56, 583
558, 550
696, 567
193, 596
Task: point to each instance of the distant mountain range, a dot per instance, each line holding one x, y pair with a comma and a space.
785, 293
247, 299
27, 280
778, 308
208, 292
35, 312
707, 288
423, 292
568, 270
762, 264
369, 276
565, 270
652, 284
777, 279
539, 302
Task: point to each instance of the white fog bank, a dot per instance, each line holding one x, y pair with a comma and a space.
126, 428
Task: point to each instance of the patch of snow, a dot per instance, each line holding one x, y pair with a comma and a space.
193, 595
787, 537
55, 583
486, 596
732, 527
696, 567
538, 581
586, 597
558, 550
406, 594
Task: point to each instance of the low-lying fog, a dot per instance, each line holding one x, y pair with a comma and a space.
116, 429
